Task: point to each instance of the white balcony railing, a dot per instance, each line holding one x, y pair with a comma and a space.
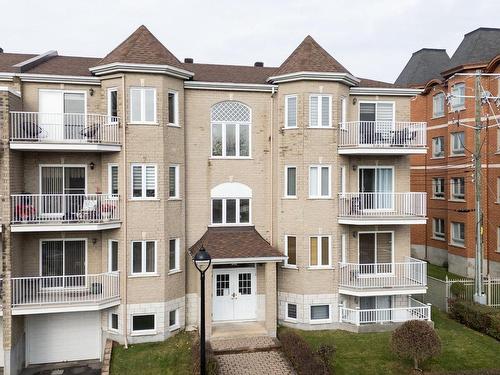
47, 290
382, 134
410, 273
64, 128
64, 208
415, 311
366, 205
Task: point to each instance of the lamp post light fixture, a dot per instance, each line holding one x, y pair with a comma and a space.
202, 261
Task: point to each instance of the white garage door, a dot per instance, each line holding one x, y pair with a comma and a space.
63, 337
1, 343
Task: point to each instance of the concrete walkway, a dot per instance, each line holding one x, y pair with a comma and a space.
255, 355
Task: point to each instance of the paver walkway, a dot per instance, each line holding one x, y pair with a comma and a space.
255, 355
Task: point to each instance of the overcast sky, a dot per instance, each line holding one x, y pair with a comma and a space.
371, 38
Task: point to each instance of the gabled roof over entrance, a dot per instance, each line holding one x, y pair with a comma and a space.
227, 243
142, 47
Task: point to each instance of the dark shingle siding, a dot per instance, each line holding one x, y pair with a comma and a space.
424, 65
478, 46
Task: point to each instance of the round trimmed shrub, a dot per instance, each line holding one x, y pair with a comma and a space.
415, 340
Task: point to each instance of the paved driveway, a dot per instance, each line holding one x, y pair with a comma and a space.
70, 368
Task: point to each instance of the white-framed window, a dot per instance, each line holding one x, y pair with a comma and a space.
438, 147
113, 179
320, 252
113, 102
438, 105
458, 100
173, 320
174, 255
144, 181
438, 187
457, 233
173, 108
143, 257
231, 211
291, 251
113, 322
343, 112
498, 189
457, 188
457, 143
320, 313
319, 181
290, 111
438, 228
291, 312
320, 111
231, 130
498, 240
343, 245
383, 113
173, 182
113, 256
342, 179
143, 324
143, 105
290, 181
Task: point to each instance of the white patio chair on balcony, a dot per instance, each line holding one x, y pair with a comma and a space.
88, 210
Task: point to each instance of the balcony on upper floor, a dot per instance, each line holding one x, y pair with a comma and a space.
80, 132
53, 294
64, 212
372, 279
382, 138
382, 208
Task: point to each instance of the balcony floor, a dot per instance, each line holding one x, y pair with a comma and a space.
64, 147
382, 291
381, 220
50, 308
382, 150
65, 227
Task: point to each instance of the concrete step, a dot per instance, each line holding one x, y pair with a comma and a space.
248, 344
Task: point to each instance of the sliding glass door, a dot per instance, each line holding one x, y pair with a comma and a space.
377, 186
65, 258
375, 252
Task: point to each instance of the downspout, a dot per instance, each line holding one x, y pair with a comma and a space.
124, 213
272, 164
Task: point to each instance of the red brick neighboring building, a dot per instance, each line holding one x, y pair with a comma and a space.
446, 171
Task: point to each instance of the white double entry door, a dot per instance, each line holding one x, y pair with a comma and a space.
234, 294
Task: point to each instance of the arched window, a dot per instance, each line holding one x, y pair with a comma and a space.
231, 204
230, 122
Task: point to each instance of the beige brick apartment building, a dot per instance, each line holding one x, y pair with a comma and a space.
296, 180
446, 171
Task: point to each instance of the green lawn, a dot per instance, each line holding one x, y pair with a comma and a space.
172, 356
440, 273
369, 353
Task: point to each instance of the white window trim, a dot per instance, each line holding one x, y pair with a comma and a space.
452, 188
143, 259
296, 111
434, 156
145, 331
343, 176
377, 102
434, 184
498, 240
63, 240
110, 254
343, 248
285, 263
343, 112
142, 121
453, 151
434, 115
498, 189
143, 197
177, 195
287, 318
319, 166
110, 322
320, 321
177, 267
176, 104
109, 91
453, 241
393, 249
237, 135
320, 111
434, 232
110, 179
462, 106
285, 188
320, 252
224, 224
175, 326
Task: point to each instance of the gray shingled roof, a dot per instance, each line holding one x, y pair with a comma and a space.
424, 65
478, 46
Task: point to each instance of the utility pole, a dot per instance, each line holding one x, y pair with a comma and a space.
479, 296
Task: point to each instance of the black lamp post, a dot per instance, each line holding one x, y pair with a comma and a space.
202, 262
